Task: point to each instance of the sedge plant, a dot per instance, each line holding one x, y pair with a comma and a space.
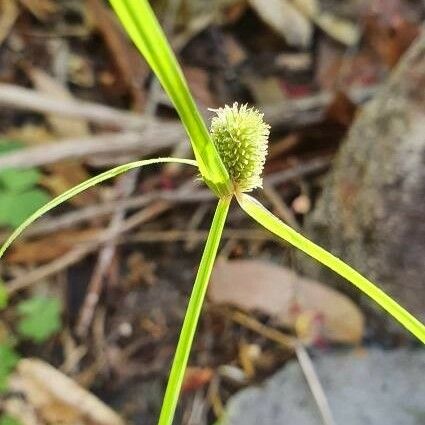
230, 159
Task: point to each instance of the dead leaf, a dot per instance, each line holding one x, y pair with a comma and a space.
57, 398
286, 20
280, 293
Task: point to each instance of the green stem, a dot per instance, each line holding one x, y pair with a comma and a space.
193, 312
142, 26
260, 214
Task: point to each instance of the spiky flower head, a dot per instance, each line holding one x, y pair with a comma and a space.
241, 136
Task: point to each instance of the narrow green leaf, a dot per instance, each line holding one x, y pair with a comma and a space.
84, 186
260, 214
141, 24
193, 312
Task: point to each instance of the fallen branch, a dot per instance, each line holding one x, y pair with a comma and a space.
22, 98
150, 140
291, 113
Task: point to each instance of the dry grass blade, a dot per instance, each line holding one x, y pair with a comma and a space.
316, 388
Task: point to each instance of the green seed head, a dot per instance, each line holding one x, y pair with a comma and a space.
241, 136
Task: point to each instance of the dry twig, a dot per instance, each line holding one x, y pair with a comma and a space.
314, 384
151, 139
253, 324
21, 98
309, 109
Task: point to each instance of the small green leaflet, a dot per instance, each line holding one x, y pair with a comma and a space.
8, 361
18, 180
39, 318
15, 207
19, 196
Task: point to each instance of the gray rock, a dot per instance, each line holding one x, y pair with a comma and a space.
369, 388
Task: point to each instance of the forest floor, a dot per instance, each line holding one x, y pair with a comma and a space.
105, 279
